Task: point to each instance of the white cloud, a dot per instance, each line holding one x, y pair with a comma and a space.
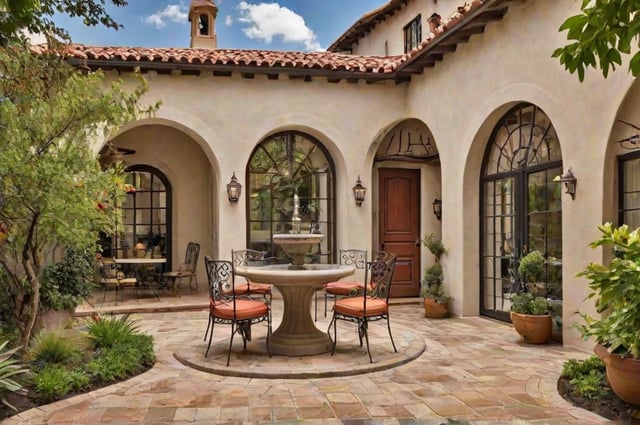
228, 20
173, 12
268, 20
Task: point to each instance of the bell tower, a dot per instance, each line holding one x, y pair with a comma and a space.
202, 15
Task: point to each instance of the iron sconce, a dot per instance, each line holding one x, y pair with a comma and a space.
437, 208
358, 192
569, 181
234, 189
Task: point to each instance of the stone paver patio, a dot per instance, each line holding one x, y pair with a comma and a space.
469, 370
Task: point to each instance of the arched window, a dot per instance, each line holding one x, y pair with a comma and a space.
282, 165
521, 208
145, 215
203, 24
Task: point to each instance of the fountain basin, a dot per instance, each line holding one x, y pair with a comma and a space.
297, 245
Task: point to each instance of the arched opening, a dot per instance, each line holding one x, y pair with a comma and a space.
203, 24
282, 165
145, 215
521, 209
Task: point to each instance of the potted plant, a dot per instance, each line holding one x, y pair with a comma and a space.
530, 317
532, 268
436, 302
616, 292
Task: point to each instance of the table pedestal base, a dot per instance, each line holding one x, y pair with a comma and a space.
297, 334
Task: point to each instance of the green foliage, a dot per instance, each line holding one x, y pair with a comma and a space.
616, 290
9, 368
55, 381
37, 16
434, 245
525, 303
433, 279
54, 190
531, 266
108, 331
66, 283
599, 35
588, 377
57, 346
123, 359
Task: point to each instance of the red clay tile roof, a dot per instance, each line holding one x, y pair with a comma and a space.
458, 28
363, 25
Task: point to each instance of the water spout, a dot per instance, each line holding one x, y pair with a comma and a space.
296, 221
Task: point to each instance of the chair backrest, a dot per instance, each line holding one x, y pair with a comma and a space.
220, 276
353, 257
246, 257
380, 274
191, 256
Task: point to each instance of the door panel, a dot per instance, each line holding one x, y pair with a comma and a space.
399, 226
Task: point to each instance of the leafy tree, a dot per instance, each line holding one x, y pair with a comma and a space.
53, 192
36, 16
599, 35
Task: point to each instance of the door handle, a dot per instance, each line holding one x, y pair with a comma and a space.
418, 242
382, 245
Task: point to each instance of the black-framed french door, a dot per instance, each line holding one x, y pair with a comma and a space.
520, 209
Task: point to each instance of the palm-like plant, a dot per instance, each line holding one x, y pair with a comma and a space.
8, 369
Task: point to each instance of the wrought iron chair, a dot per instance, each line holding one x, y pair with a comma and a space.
185, 270
251, 257
225, 308
372, 305
350, 257
112, 278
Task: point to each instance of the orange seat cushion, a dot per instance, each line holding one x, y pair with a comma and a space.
344, 288
245, 309
354, 306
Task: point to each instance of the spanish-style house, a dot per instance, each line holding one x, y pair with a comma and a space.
453, 116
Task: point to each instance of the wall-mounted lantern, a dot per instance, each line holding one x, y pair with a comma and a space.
437, 208
569, 181
234, 189
359, 191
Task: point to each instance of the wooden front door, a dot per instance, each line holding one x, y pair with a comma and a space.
399, 233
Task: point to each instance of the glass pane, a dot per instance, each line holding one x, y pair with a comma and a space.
283, 165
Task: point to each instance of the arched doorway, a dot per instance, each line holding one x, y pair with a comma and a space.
521, 208
407, 164
282, 165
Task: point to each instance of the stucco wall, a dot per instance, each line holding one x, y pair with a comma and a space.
221, 119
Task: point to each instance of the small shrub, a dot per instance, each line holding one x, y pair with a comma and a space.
66, 283
106, 332
56, 346
588, 377
573, 368
123, 359
52, 382
525, 303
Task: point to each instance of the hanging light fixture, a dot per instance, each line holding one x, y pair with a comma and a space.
359, 191
569, 181
234, 189
437, 208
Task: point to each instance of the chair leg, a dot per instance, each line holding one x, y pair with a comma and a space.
207, 331
233, 331
315, 306
210, 336
366, 337
269, 333
391, 336
333, 322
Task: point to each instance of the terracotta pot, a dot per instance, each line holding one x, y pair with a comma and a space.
435, 309
623, 374
534, 329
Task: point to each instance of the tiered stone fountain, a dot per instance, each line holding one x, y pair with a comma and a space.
297, 244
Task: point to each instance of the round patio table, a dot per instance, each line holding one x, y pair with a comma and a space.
297, 334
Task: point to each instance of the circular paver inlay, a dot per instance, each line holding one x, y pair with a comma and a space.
349, 358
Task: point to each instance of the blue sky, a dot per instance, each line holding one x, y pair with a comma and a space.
304, 25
